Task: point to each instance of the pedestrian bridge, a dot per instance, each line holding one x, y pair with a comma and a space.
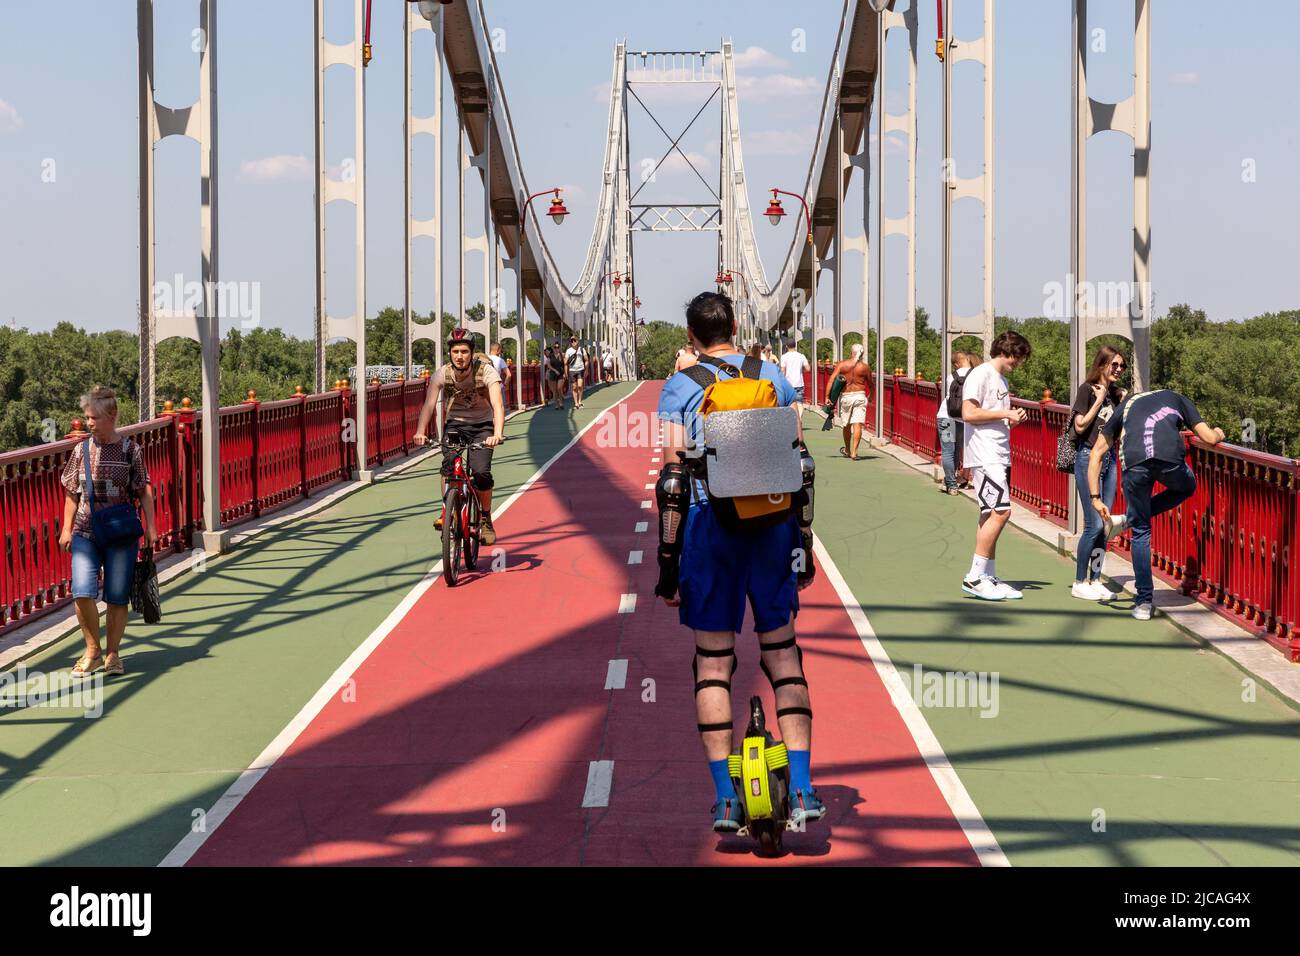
318, 695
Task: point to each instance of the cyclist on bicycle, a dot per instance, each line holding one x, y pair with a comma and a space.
474, 413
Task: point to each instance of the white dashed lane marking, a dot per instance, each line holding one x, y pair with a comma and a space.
642, 527
600, 777
626, 603
616, 676
645, 505
634, 557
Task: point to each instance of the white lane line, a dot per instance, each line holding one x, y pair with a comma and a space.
645, 504
181, 853
600, 777
654, 461
652, 472
981, 838
634, 557
616, 676
626, 603
642, 527
649, 487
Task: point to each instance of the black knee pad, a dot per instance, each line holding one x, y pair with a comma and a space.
483, 480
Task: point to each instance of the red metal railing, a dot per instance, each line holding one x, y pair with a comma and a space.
1234, 545
272, 454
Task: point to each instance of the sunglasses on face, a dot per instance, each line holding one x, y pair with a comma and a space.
1118, 366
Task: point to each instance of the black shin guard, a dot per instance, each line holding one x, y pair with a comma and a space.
702, 684
785, 681
673, 494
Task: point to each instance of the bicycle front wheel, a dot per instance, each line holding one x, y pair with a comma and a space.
451, 536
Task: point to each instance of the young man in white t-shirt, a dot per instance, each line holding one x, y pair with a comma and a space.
575, 364
793, 365
503, 369
989, 417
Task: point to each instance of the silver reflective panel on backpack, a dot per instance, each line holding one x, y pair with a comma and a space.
752, 451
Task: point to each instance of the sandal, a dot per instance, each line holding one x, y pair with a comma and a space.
87, 665
114, 667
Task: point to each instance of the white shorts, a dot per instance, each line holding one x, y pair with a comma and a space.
852, 409
992, 487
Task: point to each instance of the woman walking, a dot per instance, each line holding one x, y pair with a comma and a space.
950, 428
1096, 401
117, 476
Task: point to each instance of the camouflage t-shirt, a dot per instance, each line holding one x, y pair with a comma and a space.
119, 474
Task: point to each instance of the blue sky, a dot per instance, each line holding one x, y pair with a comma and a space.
1223, 92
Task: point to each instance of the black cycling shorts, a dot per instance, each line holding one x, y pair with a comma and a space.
480, 459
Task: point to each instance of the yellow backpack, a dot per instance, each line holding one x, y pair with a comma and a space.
730, 389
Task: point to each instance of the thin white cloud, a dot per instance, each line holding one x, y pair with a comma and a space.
10, 121
1190, 78
759, 89
276, 169
757, 58
778, 142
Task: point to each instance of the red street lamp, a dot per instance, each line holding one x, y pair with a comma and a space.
775, 212
637, 304
558, 210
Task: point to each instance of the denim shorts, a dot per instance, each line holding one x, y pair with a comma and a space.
118, 563
722, 570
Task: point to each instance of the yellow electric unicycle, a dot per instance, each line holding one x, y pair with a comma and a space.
761, 774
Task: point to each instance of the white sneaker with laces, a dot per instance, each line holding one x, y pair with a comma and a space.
1085, 591
1115, 525
1142, 612
1006, 590
1104, 594
984, 589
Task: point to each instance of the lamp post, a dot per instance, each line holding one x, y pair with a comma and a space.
774, 215
557, 212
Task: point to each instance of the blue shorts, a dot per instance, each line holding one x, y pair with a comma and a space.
798, 394
119, 568
721, 569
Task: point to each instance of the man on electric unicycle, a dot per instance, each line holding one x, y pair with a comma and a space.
721, 549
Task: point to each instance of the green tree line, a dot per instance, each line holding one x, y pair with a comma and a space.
1243, 375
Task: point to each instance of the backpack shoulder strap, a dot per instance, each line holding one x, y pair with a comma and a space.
89, 482
700, 376
751, 368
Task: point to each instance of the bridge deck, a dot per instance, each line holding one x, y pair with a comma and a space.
1099, 718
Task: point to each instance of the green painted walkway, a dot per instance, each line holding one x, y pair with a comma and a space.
242, 647
1097, 714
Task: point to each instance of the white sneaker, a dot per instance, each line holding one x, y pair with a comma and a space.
1142, 612
1086, 591
1006, 590
1104, 594
984, 588
1115, 525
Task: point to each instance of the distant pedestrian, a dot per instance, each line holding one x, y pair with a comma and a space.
793, 365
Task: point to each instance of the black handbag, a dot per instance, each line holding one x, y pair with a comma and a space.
1067, 446
145, 599
114, 525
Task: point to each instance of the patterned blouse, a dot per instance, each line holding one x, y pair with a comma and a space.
118, 471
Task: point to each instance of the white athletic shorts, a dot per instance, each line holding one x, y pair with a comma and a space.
992, 487
852, 409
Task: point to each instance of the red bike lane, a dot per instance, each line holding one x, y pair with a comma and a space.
468, 735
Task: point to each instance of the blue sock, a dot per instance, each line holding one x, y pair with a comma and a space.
726, 790
800, 770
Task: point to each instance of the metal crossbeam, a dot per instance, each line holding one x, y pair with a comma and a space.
678, 217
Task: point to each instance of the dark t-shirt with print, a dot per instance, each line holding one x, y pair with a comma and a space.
1083, 403
1152, 423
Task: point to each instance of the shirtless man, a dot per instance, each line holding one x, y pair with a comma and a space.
851, 413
